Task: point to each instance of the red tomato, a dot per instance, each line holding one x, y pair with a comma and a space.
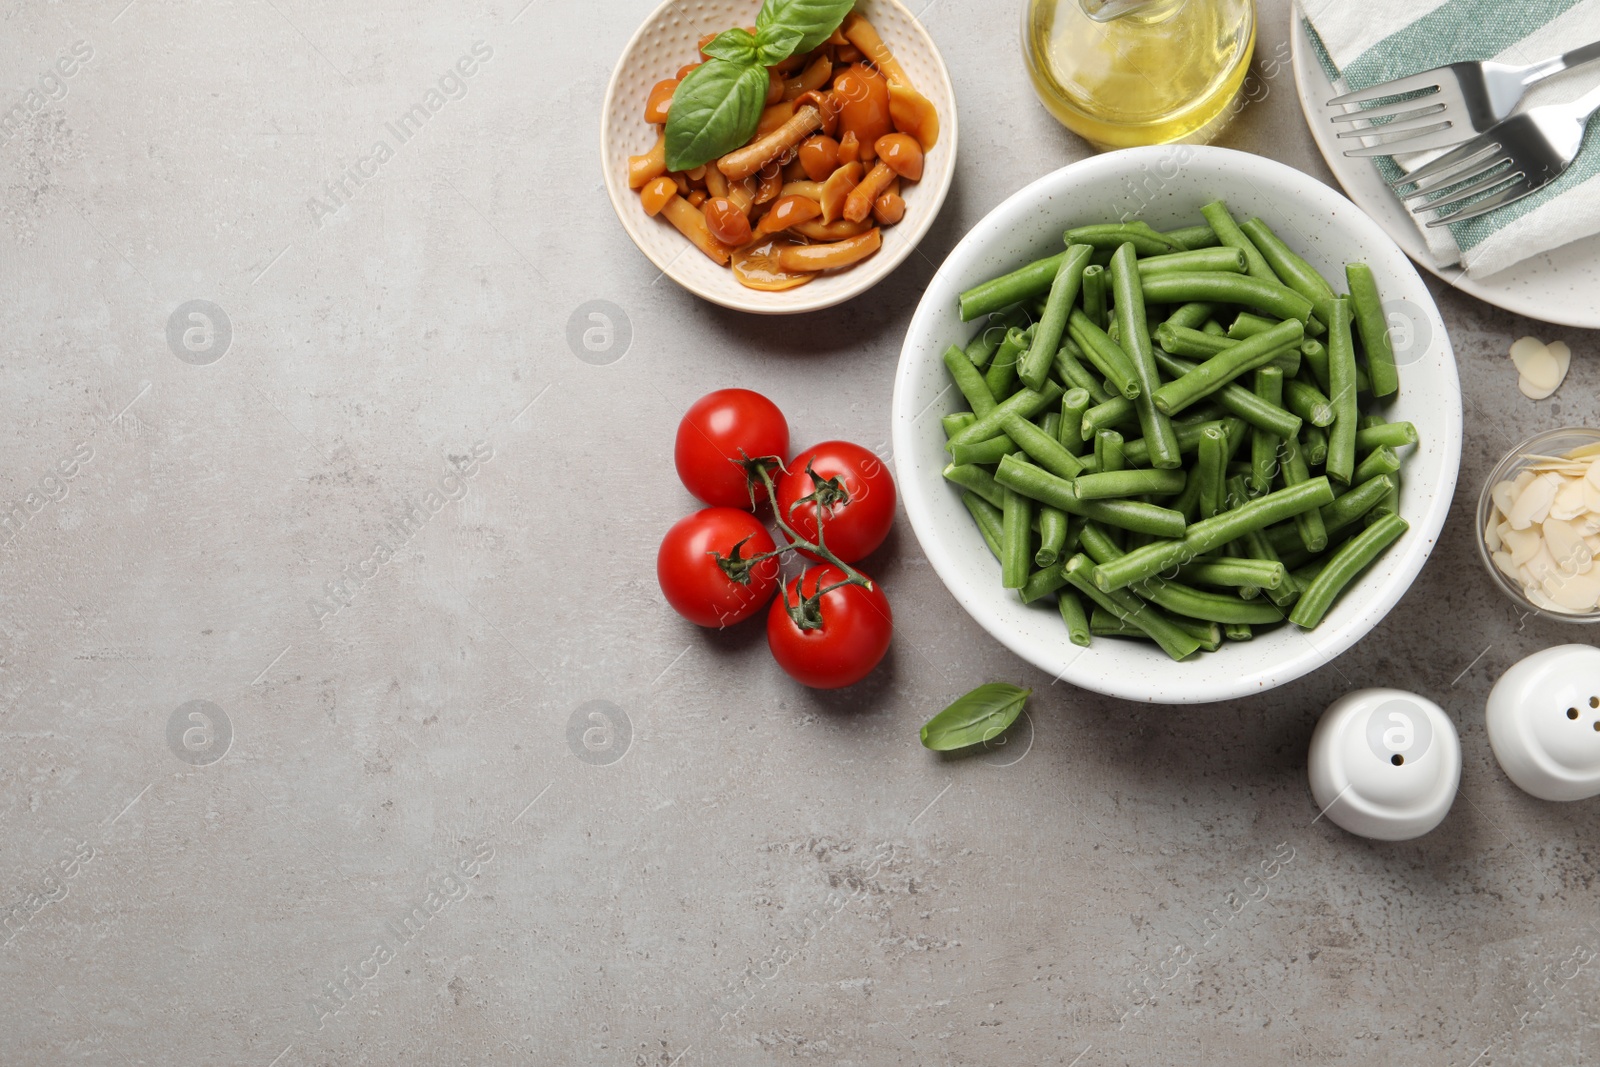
698, 584
853, 635
718, 434
854, 521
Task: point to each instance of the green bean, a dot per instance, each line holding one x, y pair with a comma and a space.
969, 381
1381, 460
1108, 451
1001, 376
1229, 233
1264, 444
1131, 609
1257, 547
1228, 259
1106, 355
1107, 236
1213, 328
1341, 463
986, 341
1022, 284
1238, 631
1390, 504
1117, 411
1342, 569
1025, 402
988, 518
956, 421
1094, 294
1313, 533
1207, 534
1373, 326
1104, 624
1239, 401
1316, 357
1391, 434
1237, 432
979, 481
1190, 316
1046, 488
1047, 334
1248, 325
1070, 603
1222, 368
1224, 288
1040, 446
1192, 237
1070, 369
1156, 427
1136, 454
1181, 341
990, 451
1016, 538
1211, 469
1350, 507
1290, 268
1145, 481
1315, 445
1041, 583
1307, 401
1074, 403
1052, 535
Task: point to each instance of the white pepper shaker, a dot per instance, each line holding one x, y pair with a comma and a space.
1385, 764
1543, 720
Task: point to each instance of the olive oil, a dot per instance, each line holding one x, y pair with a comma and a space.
1138, 73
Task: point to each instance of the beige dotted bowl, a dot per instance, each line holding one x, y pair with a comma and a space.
664, 43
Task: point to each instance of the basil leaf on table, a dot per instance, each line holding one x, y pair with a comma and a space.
737, 45
980, 716
714, 110
814, 19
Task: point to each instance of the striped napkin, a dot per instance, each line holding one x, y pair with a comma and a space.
1362, 44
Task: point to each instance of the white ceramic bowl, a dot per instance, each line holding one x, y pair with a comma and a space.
664, 43
1166, 186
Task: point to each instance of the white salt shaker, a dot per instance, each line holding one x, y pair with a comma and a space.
1544, 722
1385, 764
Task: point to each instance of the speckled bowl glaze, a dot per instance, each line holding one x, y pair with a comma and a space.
663, 44
1166, 186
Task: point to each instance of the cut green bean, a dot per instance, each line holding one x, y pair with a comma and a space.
1046, 488
1118, 411
977, 480
1001, 377
1074, 403
1264, 444
1130, 609
1145, 481
1052, 325
1136, 454
969, 381
1070, 369
1198, 344
1350, 507
1211, 470
1106, 355
1094, 294
1192, 237
1041, 583
986, 341
1040, 446
1020, 285
1239, 401
1159, 438
1314, 444
1026, 403
1238, 631
1341, 462
1229, 233
1108, 236
1207, 534
1290, 268
1070, 603
989, 520
1220, 287
1248, 325
1316, 357
1222, 368
990, 451
1373, 326
1228, 259
1343, 568
1386, 434
1313, 533
1380, 461
1307, 401
1052, 535
1108, 451
1016, 539
1190, 316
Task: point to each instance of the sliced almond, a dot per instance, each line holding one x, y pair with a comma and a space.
1570, 501
1566, 544
1536, 363
1504, 494
1533, 503
1503, 561
1522, 544
1541, 568
1522, 481
1532, 390
1491, 535
1563, 356
1539, 600
1577, 593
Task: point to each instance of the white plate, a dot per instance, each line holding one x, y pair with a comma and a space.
1173, 183
1562, 286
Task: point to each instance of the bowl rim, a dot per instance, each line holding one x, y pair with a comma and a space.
871, 272
1506, 468
1319, 647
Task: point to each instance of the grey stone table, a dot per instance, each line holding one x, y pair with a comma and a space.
271, 797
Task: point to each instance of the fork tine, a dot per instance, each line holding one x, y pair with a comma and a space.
1491, 203
1482, 185
1428, 79
1431, 105
1449, 161
1475, 169
1442, 135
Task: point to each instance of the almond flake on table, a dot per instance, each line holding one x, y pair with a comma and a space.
1541, 368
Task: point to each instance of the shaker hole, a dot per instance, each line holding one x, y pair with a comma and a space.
1398, 759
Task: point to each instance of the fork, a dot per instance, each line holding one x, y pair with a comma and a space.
1529, 151
1463, 99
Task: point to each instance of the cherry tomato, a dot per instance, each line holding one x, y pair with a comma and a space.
718, 434
698, 584
853, 635
855, 498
